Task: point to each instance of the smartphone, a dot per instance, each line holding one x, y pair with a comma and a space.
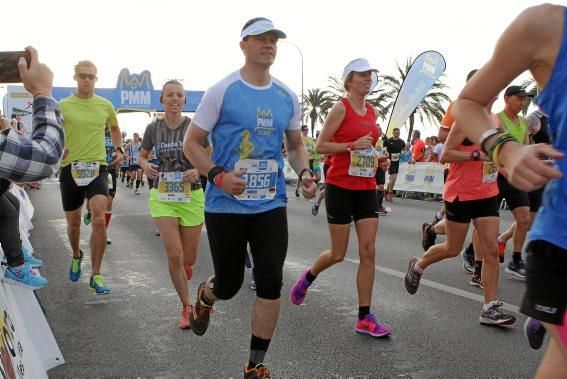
9, 72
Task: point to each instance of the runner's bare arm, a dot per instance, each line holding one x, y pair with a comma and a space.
533, 40
296, 153
299, 160
194, 150
148, 168
330, 127
116, 136
450, 154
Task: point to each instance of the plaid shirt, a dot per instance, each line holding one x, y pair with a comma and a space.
24, 159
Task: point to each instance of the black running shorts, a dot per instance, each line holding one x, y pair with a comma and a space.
515, 198
546, 282
380, 176
229, 235
134, 167
112, 191
73, 196
465, 211
346, 205
394, 168
535, 198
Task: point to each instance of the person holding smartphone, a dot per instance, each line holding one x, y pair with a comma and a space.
25, 159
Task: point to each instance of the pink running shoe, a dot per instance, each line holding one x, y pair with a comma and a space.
299, 289
369, 325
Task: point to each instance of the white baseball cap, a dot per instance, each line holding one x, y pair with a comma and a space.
259, 26
358, 65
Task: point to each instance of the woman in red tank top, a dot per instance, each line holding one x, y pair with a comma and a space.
349, 134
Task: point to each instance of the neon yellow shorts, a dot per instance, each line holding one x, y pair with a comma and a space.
189, 214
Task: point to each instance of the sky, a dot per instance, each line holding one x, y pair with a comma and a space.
198, 41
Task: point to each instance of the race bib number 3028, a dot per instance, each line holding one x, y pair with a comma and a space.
261, 178
84, 173
171, 187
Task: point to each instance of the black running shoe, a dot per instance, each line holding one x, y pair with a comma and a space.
476, 281
412, 277
428, 236
495, 316
468, 261
201, 314
534, 331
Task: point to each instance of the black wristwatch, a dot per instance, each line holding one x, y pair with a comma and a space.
475, 155
118, 149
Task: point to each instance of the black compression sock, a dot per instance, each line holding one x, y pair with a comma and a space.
470, 250
517, 256
363, 311
137, 184
258, 348
477, 267
380, 195
310, 277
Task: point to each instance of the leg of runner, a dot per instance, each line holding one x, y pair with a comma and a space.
456, 234
486, 249
98, 242
181, 245
523, 220
339, 243
554, 363
74, 230
190, 237
317, 203
491, 314
138, 176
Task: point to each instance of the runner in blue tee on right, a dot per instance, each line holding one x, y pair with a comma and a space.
535, 41
248, 114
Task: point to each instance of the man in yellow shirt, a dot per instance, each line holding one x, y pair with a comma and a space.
84, 171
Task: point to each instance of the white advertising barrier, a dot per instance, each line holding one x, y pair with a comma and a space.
289, 174
420, 177
27, 347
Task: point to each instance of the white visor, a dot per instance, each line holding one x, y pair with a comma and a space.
358, 65
260, 27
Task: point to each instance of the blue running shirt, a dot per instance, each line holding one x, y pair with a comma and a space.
248, 123
551, 222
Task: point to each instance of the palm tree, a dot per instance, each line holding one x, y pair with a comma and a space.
123, 137
431, 107
316, 106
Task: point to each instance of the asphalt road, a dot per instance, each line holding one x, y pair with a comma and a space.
133, 331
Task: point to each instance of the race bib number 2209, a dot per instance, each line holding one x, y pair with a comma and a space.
261, 178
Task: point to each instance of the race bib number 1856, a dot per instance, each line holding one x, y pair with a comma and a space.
261, 178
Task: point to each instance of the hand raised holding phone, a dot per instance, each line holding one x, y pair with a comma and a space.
37, 77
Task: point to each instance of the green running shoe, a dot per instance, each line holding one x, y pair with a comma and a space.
97, 285
75, 270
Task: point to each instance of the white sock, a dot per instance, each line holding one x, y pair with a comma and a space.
486, 307
418, 269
